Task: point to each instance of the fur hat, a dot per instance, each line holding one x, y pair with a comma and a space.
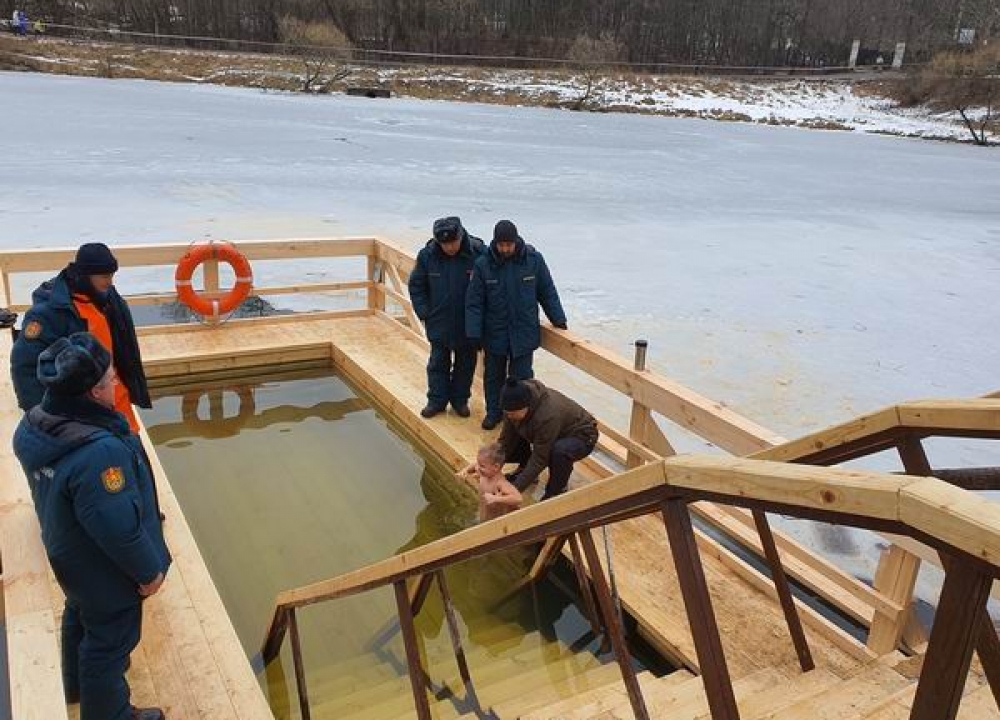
72, 366
447, 229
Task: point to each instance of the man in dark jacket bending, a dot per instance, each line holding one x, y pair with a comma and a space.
543, 428
437, 286
508, 285
93, 492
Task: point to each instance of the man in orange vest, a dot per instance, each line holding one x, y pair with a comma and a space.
82, 298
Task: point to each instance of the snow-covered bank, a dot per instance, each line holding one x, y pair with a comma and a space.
830, 104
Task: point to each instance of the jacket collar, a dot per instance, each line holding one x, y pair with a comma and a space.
85, 410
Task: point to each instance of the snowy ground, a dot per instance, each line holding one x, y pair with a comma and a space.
803, 277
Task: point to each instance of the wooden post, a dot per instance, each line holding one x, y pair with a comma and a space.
210, 275
701, 616
376, 299
642, 428
784, 591
896, 575
418, 678
300, 673
586, 594
456, 636
419, 593
988, 649
614, 626
949, 653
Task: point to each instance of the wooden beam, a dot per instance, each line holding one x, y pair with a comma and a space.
896, 578
981, 415
418, 676
949, 652
708, 419
54, 259
701, 616
612, 622
300, 672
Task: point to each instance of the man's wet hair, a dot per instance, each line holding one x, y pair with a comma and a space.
493, 453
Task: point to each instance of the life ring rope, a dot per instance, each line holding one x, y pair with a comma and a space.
199, 254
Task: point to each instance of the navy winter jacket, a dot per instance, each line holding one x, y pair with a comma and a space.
94, 495
438, 285
55, 316
501, 306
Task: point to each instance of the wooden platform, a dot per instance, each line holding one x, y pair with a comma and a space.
190, 661
387, 361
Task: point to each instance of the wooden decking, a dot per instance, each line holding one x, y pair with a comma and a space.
387, 361
190, 661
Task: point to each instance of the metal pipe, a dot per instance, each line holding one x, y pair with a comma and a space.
640, 354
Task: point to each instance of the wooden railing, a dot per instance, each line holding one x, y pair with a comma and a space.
964, 528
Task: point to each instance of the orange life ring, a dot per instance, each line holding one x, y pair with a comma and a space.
227, 253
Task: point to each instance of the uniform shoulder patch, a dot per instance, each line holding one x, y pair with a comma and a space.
113, 479
32, 330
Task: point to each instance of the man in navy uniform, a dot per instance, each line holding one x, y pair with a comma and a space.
93, 493
437, 286
508, 285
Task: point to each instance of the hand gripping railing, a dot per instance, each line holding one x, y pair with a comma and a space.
965, 529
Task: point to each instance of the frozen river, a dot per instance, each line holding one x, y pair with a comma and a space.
803, 277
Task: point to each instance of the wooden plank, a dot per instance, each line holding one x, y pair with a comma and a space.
872, 495
979, 416
708, 419
895, 577
156, 299
842, 434
958, 517
32, 631
411, 316
54, 259
633, 447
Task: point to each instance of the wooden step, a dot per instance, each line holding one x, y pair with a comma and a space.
796, 687
684, 701
510, 692
542, 701
850, 698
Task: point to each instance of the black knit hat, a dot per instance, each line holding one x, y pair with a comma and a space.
515, 395
95, 259
72, 366
447, 229
505, 231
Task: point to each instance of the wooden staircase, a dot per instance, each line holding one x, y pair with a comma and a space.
880, 690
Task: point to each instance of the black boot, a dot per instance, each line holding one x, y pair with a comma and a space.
147, 714
490, 422
461, 409
430, 410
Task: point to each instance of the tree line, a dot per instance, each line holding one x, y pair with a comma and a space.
811, 33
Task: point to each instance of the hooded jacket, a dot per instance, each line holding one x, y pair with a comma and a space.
438, 285
54, 315
551, 416
96, 503
501, 307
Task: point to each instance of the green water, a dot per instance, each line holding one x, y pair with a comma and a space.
291, 481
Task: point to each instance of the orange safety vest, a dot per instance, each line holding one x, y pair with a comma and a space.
97, 325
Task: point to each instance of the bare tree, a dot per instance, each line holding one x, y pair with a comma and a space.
969, 84
320, 46
592, 57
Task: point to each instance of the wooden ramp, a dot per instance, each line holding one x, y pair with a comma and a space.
189, 662
387, 361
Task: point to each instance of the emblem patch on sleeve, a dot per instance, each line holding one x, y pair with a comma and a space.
113, 479
32, 330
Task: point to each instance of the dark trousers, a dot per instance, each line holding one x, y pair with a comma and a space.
449, 374
565, 452
496, 370
95, 652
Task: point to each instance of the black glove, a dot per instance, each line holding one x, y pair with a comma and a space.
561, 326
